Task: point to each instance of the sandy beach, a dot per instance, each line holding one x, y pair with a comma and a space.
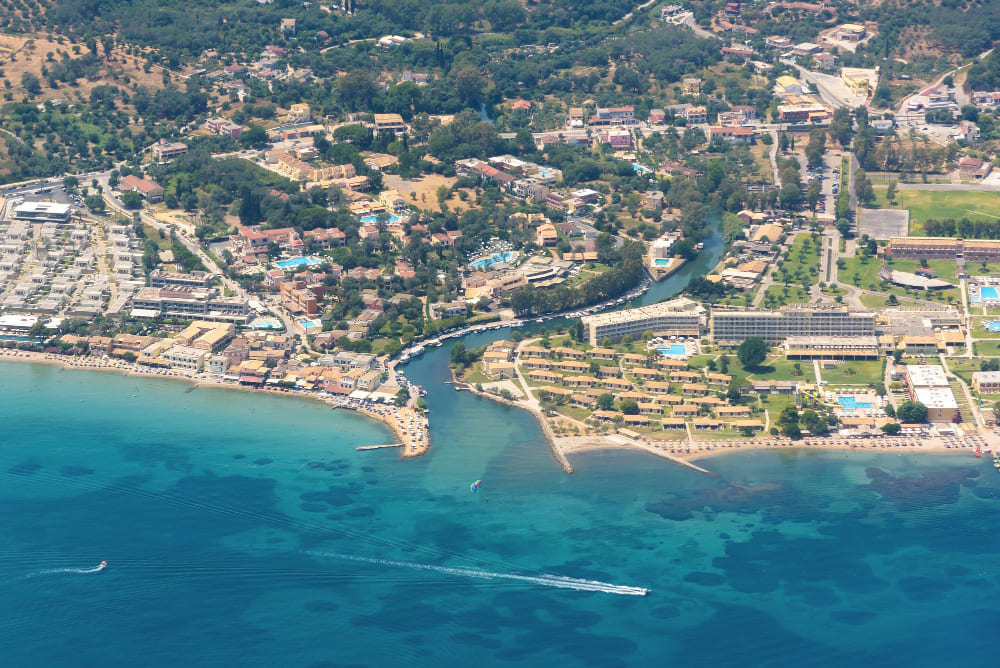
409, 426
691, 452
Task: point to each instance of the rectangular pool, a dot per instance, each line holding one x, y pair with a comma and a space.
988, 292
306, 324
673, 350
852, 403
393, 218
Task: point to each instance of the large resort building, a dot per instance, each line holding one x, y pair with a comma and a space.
733, 327
832, 347
678, 317
204, 304
944, 248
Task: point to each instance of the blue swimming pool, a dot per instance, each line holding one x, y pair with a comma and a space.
639, 169
993, 326
662, 261
299, 262
265, 323
306, 324
852, 403
673, 350
496, 258
393, 218
988, 292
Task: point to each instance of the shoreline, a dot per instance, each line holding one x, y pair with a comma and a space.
687, 453
546, 428
399, 421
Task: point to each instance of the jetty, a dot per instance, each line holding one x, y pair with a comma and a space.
379, 447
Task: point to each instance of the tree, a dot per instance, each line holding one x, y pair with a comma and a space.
132, 200
630, 407
816, 147
814, 423
788, 422
402, 396
95, 203
891, 428
890, 192
912, 412
254, 137
863, 187
752, 352
31, 83
606, 401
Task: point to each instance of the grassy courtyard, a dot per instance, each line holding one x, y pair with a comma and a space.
859, 372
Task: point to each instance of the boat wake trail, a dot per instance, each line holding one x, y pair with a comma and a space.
544, 580
76, 571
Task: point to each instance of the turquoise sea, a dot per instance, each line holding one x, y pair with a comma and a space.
246, 530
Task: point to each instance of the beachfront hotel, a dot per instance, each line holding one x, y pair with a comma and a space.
733, 327
928, 384
678, 317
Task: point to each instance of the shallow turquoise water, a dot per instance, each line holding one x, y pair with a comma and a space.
222, 514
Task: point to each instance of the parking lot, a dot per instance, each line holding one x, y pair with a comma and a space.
49, 191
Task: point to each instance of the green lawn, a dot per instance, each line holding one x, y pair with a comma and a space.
941, 204
860, 372
876, 301
864, 273
800, 266
989, 347
721, 435
778, 368
779, 295
474, 374
776, 403
662, 434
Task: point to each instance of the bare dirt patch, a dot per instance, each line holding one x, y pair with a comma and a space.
20, 54
422, 192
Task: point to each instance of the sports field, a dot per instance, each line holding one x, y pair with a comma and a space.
942, 205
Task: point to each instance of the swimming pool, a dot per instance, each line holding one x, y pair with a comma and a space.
496, 258
673, 350
988, 292
265, 323
662, 261
393, 218
993, 326
639, 169
298, 262
307, 324
852, 403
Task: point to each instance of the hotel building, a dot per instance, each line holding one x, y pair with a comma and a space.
927, 384
733, 327
185, 304
986, 382
678, 317
944, 248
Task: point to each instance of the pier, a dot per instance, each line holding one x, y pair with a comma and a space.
379, 447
